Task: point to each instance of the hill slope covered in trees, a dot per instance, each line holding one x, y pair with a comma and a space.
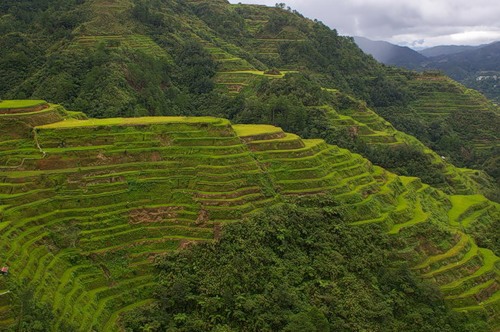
138, 58
89, 204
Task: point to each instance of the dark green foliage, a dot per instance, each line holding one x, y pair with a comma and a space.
487, 233
32, 315
290, 269
143, 11
488, 85
221, 18
196, 68
406, 160
388, 92
18, 57
282, 111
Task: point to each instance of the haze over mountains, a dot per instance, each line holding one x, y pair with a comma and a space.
477, 67
391, 54
446, 50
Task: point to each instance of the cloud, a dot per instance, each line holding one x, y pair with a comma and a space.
412, 22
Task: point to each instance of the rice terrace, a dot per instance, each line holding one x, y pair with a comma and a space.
86, 205
190, 165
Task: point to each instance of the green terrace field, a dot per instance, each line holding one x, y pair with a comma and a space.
86, 206
440, 95
136, 42
363, 123
14, 104
74, 123
114, 58
435, 99
454, 121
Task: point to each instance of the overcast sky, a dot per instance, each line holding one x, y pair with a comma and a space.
414, 23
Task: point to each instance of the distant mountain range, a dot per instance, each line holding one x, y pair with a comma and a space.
447, 50
477, 67
391, 54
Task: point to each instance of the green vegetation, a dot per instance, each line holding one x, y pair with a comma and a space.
330, 240
458, 123
12, 104
180, 59
75, 123
289, 269
89, 205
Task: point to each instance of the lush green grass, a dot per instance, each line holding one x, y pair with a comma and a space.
255, 130
118, 192
72, 123
419, 217
12, 104
460, 204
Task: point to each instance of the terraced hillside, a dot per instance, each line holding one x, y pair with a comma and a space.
441, 98
457, 122
363, 125
269, 36
113, 58
86, 205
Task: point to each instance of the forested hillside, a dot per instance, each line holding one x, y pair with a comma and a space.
477, 67
94, 210
121, 58
309, 186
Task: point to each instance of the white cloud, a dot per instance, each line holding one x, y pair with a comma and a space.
410, 22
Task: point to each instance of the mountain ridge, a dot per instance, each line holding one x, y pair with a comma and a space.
474, 66
391, 54
90, 202
446, 50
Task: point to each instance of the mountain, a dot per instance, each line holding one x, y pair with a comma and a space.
194, 122
391, 54
461, 65
473, 66
478, 68
89, 204
117, 58
446, 50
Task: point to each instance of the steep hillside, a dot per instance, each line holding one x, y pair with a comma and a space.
87, 204
438, 116
113, 58
477, 68
304, 50
345, 121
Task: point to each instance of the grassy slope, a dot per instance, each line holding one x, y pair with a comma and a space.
12, 104
265, 46
457, 122
83, 218
100, 71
